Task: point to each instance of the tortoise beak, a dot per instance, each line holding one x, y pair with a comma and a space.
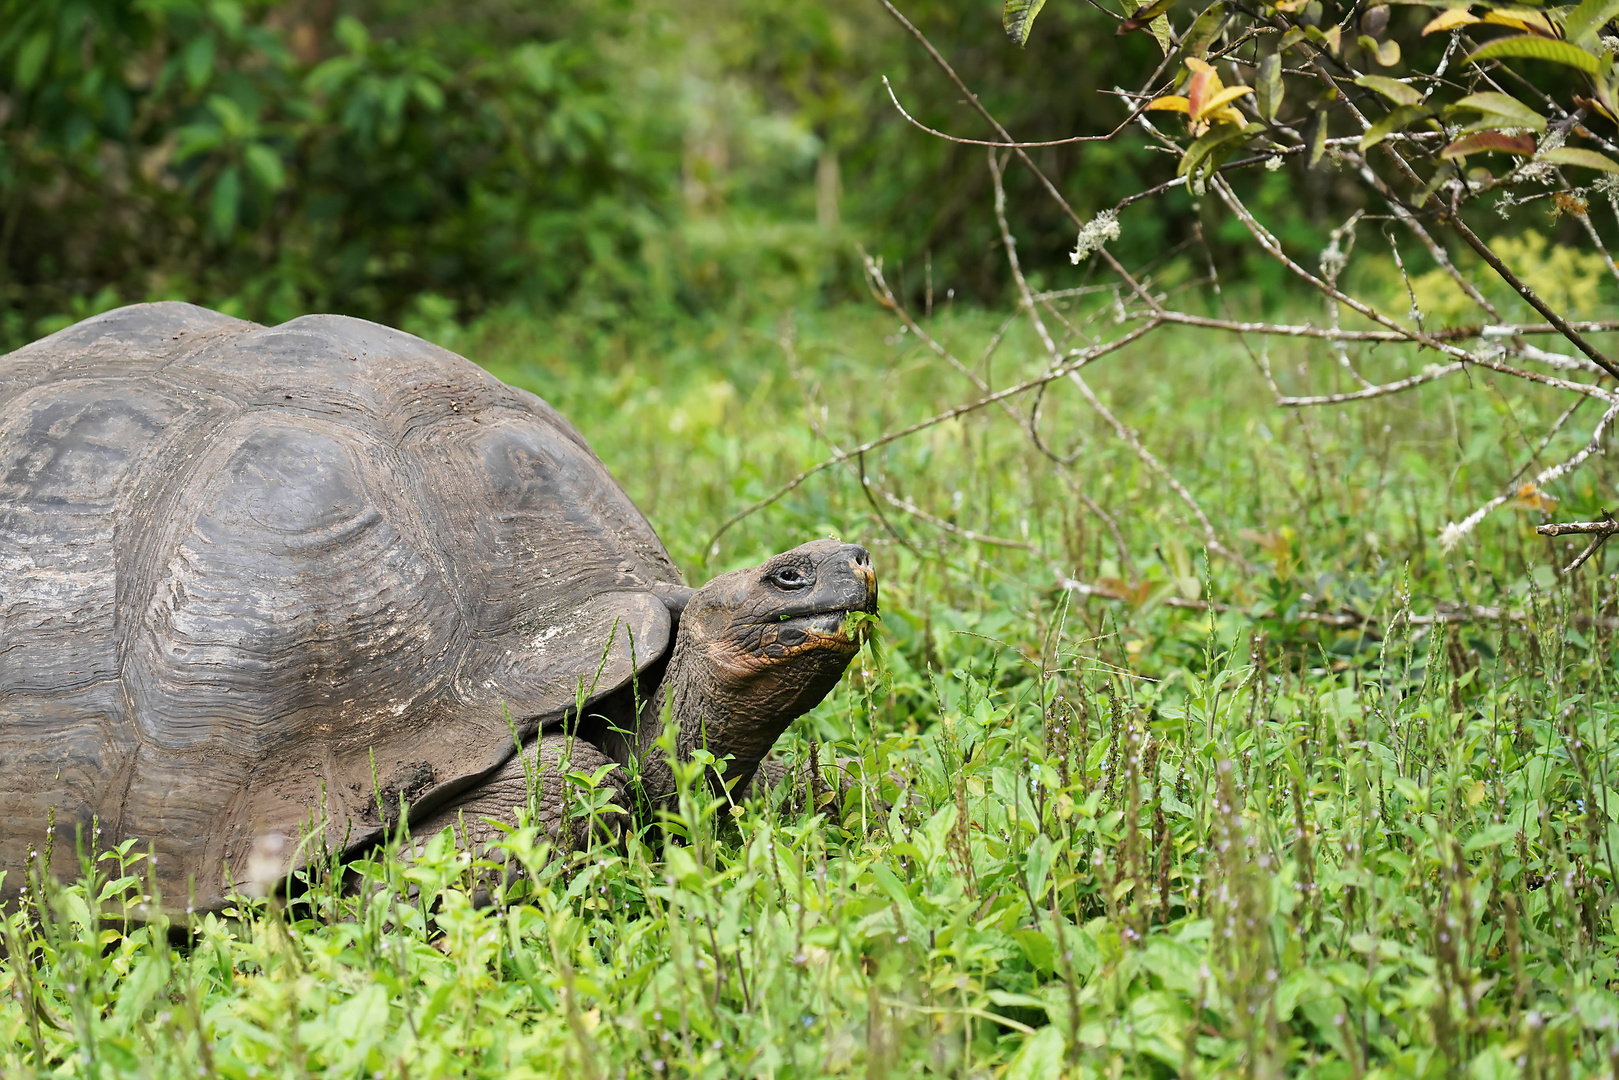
845, 580
860, 567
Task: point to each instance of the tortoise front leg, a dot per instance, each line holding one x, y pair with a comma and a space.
542, 765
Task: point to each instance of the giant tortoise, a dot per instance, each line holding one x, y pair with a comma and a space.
258, 581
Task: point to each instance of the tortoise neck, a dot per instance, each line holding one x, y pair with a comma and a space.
707, 715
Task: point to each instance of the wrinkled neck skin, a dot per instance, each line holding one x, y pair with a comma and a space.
729, 703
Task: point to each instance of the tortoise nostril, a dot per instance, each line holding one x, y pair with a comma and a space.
862, 557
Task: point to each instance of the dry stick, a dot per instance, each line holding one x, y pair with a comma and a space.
1455, 531
1045, 181
1573, 335
1435, 372
1124, 432
1435, 249
1567, 528
1081, 358
1603, 530
1274, 248
1352, 619
1557, 425
1017, 145
789, 347
1591, 230
1459, 333
878, 284
1333, 261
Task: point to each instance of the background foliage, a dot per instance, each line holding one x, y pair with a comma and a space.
389, 157
1339, 807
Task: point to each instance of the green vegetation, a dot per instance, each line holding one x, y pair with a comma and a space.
1121, 838
390, 158
1327, 798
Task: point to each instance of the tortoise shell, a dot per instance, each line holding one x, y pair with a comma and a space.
251, 578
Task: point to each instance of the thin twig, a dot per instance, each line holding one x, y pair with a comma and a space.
1434, 372
1574, 336
1568, 528
1456, 531
1005, 145
1083, 357
1124, 432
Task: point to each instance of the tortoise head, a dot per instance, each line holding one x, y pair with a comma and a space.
759, 647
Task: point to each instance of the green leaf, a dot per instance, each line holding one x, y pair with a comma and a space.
428, 93
1163, 34
1506, 106
1018, 18
1396, 91
1041, 1055
1220, 136
197, 61
226, 202
1315, 137
1533, 47
1268, 89
1037, 948
353, 34
889, 882
1037, 863
1585, 159
1585, 22
1446, 170
1205, 30
1144, 15
31, 59
1397, 120
1386, 53
1294, 35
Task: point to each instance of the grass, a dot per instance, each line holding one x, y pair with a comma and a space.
1090, 837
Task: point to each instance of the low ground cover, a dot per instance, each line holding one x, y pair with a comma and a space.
1260, 815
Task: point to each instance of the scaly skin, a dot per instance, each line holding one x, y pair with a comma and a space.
756, 649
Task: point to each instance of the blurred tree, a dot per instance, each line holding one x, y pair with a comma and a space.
277, 158
398, 157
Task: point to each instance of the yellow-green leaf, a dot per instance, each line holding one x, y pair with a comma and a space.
1505, 106
1520, 20
1399, 119
1449, 20
1207, 145
1268, 94
1169, 103
1144, 15
1386, 53
1205, 30
1163, 34
1585, 22
1585, 159
1396, 91
1531, 47
1018, 18
1222, 99
1315, 137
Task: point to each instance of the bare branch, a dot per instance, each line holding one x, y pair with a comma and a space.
1529, 295
1434, 372
1004, 145
1125, 434
1084, 357
1455, 532
1569, 528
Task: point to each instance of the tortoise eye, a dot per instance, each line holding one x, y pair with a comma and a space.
789, 577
